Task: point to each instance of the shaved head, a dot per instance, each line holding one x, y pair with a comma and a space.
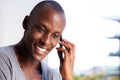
45, 7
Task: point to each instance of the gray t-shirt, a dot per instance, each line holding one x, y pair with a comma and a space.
10, 68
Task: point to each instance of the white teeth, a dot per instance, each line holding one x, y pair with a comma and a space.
41, 49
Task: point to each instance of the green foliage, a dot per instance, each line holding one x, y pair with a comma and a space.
76, 77
89, 77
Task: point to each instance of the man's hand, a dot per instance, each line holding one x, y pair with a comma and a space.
67, 62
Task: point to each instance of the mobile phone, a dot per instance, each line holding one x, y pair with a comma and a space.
60, 54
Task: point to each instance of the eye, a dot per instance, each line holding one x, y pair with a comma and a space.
41, 29
55, 35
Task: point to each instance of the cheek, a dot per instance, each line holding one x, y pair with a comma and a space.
29, 37
54, 43
36, 36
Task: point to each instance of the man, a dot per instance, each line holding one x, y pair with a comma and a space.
43, 28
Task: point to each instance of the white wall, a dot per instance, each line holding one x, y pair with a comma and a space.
12, 13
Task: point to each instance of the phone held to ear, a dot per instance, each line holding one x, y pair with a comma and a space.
60, 54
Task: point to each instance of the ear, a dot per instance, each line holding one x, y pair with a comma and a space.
25, 22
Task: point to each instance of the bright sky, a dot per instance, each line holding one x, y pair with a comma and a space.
87, 26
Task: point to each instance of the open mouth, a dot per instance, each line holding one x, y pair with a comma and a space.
39, 49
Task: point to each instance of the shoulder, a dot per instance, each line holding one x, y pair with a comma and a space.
5, 65
50, 73
4, 55
6, 49
4, 58
7, 53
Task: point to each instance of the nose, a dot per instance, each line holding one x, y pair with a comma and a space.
45, 40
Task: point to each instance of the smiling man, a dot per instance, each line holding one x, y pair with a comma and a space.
43, 28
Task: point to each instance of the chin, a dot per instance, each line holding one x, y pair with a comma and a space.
39, 57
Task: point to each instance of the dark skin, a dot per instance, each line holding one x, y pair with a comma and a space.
42, 32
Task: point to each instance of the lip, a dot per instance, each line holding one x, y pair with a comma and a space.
40, 50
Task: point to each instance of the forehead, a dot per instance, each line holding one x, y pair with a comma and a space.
45, 11
47, 14
52, 15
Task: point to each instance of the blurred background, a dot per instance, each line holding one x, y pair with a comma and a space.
93, 25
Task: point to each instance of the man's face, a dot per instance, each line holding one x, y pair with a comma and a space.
43, 32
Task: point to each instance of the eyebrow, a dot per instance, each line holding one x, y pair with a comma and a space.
41, 25
46, 28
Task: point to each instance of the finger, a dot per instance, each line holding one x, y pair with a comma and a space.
70, 50
67, 46
67, 42
63, 50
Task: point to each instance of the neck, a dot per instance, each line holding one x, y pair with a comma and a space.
24, 58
